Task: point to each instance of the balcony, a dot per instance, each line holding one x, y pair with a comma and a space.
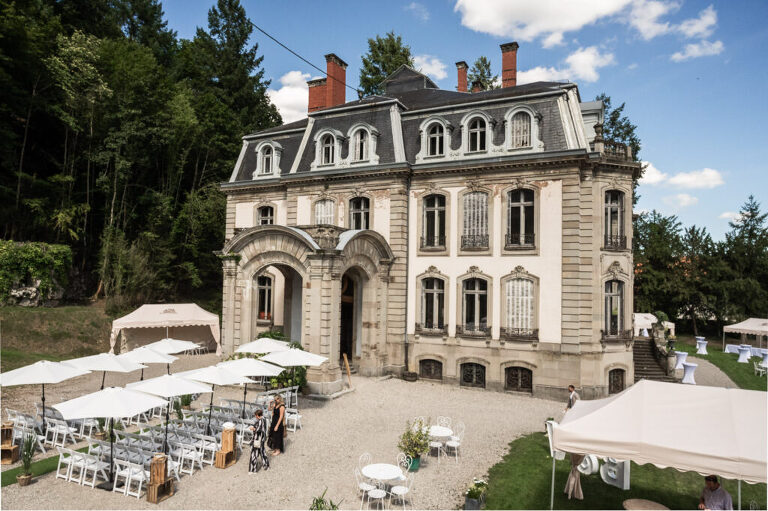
520, 241
474, 241
616, 335
615, 242
470, 330
433, 242
431, 329
520, 334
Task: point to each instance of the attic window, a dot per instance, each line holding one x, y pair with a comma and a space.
521, 130
361, 145
327, 148
477, 135
435, 140
266, 160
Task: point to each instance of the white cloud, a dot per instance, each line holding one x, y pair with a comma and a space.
431, 66
418, 10
700, 49
645, 17
583, 64
680, 200
632, 66
291, 99
701, 27
731, 216
704, 178
652, 175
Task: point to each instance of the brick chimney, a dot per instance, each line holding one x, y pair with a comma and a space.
509, 64
335, 87
477, 86
461, 70
316, 94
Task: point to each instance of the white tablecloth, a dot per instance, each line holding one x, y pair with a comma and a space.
382, 471
734, 348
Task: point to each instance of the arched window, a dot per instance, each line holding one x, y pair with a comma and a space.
518, 379
520, 307
614, 307
359, 210
266, 215
327, 144
520, 219
361, 145
520, 130
614, 220
435, 140
434, 222
431, 369
473, 375
475, 228
616, 378
266, 160
324, 211
432, 304
475, 306
264, 297
477, 135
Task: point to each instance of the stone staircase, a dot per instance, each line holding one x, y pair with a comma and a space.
646, 366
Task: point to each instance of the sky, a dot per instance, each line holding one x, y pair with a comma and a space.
692, 74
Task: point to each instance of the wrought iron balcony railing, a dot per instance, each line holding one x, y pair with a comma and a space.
433, 242
474, 241
525, 240
615, 242
520, 334
431, 329
471, 330
616, 335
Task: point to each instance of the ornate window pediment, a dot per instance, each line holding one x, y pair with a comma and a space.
522, 131
268, 156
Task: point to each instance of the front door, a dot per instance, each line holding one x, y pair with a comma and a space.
347, 327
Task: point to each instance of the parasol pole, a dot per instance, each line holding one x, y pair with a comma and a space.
245, 391
210, 409
103, 376
111, 448
167, 420
43, 398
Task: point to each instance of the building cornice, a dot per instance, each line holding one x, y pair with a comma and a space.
475, 104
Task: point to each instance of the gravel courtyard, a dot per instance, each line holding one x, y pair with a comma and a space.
322, 455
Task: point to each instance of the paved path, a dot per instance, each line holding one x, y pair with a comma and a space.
710, 375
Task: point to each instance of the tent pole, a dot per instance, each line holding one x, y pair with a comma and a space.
245, 391
43, 399
210, 409
103, 375
168, 368
111, 449
739, 494
167, 420
142, 375
552, 486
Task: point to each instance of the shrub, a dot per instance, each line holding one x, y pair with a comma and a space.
476, 490
23, 264
415, 439
321, 503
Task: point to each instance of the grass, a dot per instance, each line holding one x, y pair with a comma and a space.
38, 468
742, 375
522, 481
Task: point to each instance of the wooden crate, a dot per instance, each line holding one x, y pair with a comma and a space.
9, 454
228, 440
225, 459
6, 433
158, 472
157, 493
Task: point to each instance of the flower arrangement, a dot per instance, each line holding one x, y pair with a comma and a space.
477, 489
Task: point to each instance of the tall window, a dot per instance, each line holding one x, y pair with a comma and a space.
614, 220
435, 140
614, 307
264, 294
359, 209
266, 215
520, 307
475, 230
473, 375
615, 381
520, 218
324, 211
361, 145
266, 160
327, 144
518, 379
434, 221
520, 130
432, 304
477, 135
475, 306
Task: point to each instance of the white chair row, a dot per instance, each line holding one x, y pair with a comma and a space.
22, 432
79, 465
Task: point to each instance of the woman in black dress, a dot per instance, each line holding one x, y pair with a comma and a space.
277, 428
258, 453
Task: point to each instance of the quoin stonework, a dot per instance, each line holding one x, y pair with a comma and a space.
476, 238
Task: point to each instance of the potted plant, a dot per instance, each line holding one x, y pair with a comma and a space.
321, 503
474, 498
410, 376
101, 433
414, 442
27, 451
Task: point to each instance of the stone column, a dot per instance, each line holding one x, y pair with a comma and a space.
229, 266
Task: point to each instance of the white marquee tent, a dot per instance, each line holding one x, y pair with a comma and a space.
187, 320
643, 320
752, 326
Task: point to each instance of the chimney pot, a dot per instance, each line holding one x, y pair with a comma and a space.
461, 71
335, 87
509, 64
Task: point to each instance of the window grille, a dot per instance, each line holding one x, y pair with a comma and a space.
616, 381
614, 220
359, 210
431, 369
434, 221
520, 306
475, 234
477, 135
435, 140
432, 304
520, 135
472, 375
324, 211
519, 379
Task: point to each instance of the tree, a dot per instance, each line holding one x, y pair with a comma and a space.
481, 73
385, 55
657, 248
142, 21
694, 271
618, 128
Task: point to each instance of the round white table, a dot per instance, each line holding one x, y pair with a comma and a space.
439, 432
382, 471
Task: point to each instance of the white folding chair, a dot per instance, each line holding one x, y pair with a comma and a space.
207, 445
122, 471
77, 467
65, 460
292, 419
94, 465
759, 370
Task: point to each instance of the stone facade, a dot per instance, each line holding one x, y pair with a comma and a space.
329, 244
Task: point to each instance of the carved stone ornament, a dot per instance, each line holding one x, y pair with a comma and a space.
323, 195
431, 188
473, 184
519, 182
615, 269
474, 270
432, 269
359, 192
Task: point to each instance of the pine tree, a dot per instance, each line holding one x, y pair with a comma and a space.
481, 73
385, 55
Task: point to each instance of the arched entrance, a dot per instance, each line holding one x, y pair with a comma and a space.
275, 302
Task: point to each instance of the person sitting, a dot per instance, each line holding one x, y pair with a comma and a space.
714, 496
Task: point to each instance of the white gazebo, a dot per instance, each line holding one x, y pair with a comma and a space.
752, 326
152, 322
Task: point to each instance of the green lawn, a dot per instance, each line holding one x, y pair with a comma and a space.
742, 375
39, 467
522, 481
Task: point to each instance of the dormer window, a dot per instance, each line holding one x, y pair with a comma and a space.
435, 139
361, 145
327, 149
266, 160
477, 140
520, 131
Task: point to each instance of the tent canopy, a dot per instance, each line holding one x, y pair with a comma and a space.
167, 315
709, 430
751, 326
644, 320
